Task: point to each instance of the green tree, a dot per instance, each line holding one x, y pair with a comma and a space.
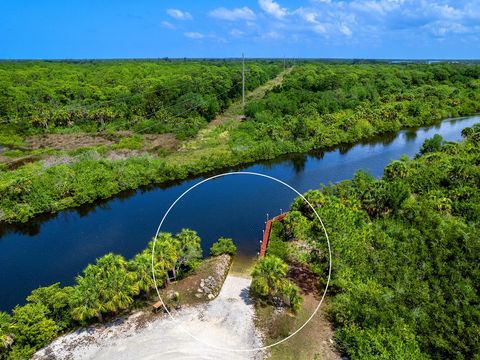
56, 300
269, 282
189, 249
223, 246
472, 133
141, 267
31, 326
268, 276
433, 144
85, 302
166, 255
397, 169
297, 226
107, 286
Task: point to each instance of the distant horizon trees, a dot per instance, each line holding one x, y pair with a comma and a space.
320, 105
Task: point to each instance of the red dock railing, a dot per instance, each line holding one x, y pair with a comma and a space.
266, 234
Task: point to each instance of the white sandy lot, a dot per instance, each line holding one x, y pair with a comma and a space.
225, 322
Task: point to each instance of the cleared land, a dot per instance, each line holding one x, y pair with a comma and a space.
226, 322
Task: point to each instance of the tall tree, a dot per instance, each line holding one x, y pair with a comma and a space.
32, 328
190, 250
56, 300
165, 256
269, 283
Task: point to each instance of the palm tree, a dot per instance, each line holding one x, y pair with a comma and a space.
269, 281
190, 248
105, 286
166, 255
85, 302
117, 284
268, 276
141, 267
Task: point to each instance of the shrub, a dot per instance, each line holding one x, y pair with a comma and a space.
131, 143
270, 284
433, 144
223, 246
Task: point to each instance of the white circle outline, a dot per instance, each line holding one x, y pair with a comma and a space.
329, 260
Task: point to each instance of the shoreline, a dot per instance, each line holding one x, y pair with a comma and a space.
225, 161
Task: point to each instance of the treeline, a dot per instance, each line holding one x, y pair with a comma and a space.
107, 288
405, 249
153, 96
322, 105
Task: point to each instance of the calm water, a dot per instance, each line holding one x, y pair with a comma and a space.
56, 248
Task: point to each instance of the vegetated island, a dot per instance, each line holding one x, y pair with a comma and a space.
74, 132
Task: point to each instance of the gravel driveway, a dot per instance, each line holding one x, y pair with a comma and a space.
225, 322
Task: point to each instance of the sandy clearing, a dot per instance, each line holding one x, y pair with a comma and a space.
225, 322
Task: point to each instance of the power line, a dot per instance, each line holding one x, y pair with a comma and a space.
86, 107
183, 112
243, 81
162, 109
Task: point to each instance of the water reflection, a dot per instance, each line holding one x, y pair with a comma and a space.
410, 135
299, 163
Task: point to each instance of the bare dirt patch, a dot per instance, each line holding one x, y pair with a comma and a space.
14, 163
66, 141
51, 161
161, 141
216, 268
124, 154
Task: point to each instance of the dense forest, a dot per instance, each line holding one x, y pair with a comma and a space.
109, 287
405, 249
315, 107
323, 105
153, 96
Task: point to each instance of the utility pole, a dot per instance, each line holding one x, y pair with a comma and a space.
243, 80
284, 64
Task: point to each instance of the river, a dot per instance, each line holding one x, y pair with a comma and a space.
56, 248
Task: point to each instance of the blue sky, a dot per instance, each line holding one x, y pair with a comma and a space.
260, 28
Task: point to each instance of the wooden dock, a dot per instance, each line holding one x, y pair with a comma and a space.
266, 234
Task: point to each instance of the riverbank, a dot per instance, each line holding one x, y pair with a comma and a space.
89, 176
54, 249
